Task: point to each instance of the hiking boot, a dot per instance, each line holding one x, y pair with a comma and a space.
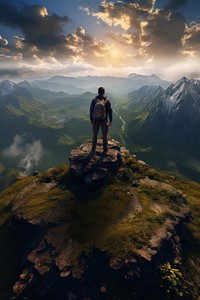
90, 155
92, 151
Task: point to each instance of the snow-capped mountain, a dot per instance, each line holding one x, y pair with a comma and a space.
185, 93
7, 87
175, 120
12, 92
163, 126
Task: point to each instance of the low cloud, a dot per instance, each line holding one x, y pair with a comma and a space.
15, 72
29, 154
33, 155
15, 149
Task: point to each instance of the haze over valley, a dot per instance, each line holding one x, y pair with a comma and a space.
41, 121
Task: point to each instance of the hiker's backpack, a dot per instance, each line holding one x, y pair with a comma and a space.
99, 111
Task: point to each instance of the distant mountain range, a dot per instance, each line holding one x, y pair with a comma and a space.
61, 85
117, 86
160, 124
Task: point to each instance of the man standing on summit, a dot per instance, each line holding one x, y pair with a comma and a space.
100, 112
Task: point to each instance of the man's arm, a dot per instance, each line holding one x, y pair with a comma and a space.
91, 110
109, 110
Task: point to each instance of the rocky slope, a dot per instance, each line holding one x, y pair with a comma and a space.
98, 229
175, 120
162, 126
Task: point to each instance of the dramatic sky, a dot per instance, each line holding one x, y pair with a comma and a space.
81, 37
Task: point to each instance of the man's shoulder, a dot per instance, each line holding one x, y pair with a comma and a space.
93, 100
107, 100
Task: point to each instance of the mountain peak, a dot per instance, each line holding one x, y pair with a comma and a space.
7, 87
84, 166
141, 76
154, 76
184, 78
132, 75
7, 82
80, 228
176, 119
184, 85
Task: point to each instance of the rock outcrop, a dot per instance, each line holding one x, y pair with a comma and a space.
103, 244
93, 168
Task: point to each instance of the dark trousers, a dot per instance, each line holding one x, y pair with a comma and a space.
104, 129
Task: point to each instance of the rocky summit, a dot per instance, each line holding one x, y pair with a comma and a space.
106, 226
93, 168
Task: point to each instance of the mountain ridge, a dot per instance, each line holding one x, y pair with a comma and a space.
114, 85
179, 110
164, 128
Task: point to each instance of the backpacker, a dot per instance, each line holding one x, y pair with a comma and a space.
99, 112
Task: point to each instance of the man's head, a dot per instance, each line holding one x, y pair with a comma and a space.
101, 90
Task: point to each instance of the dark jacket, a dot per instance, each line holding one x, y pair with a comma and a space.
107, 106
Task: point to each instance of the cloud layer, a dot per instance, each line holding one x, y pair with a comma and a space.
137, 33
29, 155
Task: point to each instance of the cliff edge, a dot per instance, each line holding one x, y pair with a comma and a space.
97, 228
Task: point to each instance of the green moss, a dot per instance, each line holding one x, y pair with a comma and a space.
55, 173
91, 218
9, 195
45, 204
101, 222
122, 239
35, 199
162, 195
126, 175
139, 169
191, 191
155, 175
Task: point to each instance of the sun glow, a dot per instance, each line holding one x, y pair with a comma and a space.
43, 12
